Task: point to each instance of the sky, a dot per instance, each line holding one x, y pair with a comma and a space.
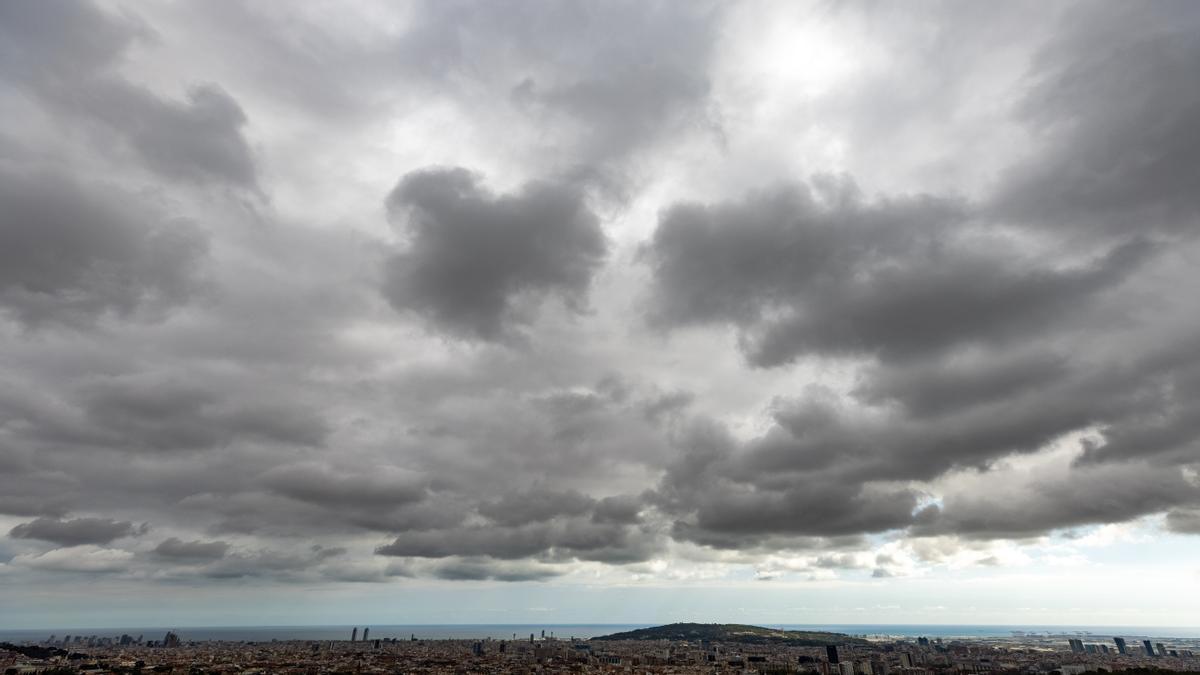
532, 311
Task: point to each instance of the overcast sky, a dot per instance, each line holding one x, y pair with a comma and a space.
599, 311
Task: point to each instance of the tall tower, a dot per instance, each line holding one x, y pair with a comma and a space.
354, 635
831, 652
366, 632
1120, 645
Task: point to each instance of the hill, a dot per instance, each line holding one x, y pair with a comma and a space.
733, 632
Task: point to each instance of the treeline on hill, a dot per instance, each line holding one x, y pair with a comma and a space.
733, 632
33, 651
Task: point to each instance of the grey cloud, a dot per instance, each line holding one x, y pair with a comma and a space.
976, 329
326, 487
305, 509
268, 562
514, 509
70, 253
259, 389
475, 260
14, 505
838, 561
602, 83
667, 404
1083, 496
67, 54
956, 412
1165, 425
480, 570
560, 539
718, 502
52, 39
647, 78
168, 415
602, 80
1184, 521
812, 510
959, 381
191, 551
624, 509
803, 271
1113, 112
86, 559
74, 532
198, 139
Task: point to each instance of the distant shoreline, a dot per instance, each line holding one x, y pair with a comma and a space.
465, 631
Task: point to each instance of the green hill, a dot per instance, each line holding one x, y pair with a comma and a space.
733, 632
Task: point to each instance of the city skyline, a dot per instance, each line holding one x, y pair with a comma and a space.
599, 312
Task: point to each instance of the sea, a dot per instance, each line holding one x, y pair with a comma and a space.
567, 631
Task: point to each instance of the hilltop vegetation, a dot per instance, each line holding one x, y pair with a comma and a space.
734, 632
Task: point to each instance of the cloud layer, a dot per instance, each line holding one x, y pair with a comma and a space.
568, 292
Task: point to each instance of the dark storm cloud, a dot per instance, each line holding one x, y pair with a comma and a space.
74, 532
67, 54
811, 270
71, 252
474, 258
1115, 117
191, 551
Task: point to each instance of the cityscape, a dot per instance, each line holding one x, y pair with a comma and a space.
724, 651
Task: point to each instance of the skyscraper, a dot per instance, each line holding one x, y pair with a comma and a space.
831, 652
1120, 645
354, 635
1076, 645
366, 632
1162, 650
1148, 647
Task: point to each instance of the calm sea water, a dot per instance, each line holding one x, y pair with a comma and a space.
522, 631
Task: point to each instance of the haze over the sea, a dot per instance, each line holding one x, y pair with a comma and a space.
570, 311
580, 631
